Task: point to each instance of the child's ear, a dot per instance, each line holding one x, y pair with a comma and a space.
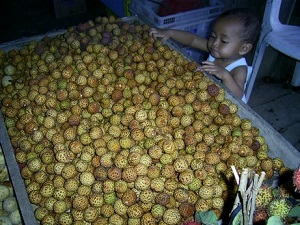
245, 48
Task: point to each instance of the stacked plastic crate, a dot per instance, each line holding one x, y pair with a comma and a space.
197, 21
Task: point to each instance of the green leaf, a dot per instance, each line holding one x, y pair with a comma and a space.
207, 218
274, 220
294, 212
238, 219
275, 193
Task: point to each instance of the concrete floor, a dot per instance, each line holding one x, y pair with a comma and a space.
279, 105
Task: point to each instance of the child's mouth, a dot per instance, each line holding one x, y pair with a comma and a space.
213, 52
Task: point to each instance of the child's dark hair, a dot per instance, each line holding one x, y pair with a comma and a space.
251, 23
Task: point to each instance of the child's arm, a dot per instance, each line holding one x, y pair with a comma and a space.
183, 37
233, 80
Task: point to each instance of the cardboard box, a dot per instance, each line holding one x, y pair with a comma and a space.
64, 8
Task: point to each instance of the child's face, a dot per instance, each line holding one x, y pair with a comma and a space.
225, 42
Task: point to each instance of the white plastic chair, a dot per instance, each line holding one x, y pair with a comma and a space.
249, 73
283, 38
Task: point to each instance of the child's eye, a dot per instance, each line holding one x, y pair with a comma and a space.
224, 41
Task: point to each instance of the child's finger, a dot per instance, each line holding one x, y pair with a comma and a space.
153, 30
156, 35
207, 63
206, 67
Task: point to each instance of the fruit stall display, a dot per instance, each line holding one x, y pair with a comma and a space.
108, 126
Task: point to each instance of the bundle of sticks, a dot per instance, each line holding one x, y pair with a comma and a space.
249, 184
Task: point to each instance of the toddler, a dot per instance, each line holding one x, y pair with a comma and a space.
233, 35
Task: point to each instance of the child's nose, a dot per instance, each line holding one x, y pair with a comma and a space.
216, 42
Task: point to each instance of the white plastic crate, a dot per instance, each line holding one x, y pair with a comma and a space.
203, 27
147, 11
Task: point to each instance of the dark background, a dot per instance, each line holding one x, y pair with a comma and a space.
26, 18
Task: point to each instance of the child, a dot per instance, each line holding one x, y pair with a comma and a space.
233, 35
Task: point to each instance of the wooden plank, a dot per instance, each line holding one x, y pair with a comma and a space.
26, 209
278, 145
18, 43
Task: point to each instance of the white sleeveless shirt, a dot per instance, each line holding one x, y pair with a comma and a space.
233, 65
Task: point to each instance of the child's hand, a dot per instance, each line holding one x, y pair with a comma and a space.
214, 69
159, 33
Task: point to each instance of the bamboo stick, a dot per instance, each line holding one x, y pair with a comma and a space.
247, 192
256, 187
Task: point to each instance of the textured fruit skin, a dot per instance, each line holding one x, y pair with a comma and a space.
213, 90
296, 179
191, 223
260, 216
171, 216
264, 197
279, 207
187, 209
10, 70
